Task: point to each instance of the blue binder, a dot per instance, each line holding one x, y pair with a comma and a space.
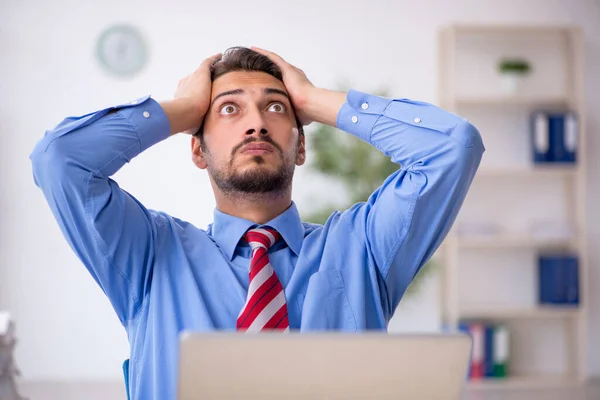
554, 137
571, 280
540, 138
558, 279
563, 137
489, 350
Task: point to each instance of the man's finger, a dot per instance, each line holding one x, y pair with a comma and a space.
274, 57
212, 59
259, 50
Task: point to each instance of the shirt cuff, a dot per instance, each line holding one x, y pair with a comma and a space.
148, 119
360, 112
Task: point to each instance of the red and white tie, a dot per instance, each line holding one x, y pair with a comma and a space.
265, 307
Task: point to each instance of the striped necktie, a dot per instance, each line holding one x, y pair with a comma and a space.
265, 307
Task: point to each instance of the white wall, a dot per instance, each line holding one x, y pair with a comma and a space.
66, 327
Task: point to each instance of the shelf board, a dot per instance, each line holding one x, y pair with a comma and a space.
528, 101
503, 29
541, 312
505, 241
524, 382
535, 171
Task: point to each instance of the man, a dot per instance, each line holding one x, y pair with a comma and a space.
257, 267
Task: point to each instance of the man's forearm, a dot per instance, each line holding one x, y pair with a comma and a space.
410, 132
322, 105
103, 141
183, 114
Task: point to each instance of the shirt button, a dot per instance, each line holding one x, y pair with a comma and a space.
355, 119
417, 120
146, 114
365, 106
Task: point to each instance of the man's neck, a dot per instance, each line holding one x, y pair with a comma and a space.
259, 208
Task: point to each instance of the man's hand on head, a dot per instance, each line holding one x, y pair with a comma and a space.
196, 89
297, 84
311, 103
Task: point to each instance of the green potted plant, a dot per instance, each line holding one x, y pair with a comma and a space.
512, 72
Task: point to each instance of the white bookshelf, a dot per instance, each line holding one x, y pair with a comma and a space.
515, 241
525, 382
528, 313
528, 172
491, 273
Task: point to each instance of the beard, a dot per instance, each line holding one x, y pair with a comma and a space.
259, 179
256, 180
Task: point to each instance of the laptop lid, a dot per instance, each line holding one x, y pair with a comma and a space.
323, 366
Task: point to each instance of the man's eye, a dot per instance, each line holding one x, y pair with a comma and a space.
228, 109
277, 107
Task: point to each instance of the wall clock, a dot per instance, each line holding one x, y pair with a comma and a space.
121, 50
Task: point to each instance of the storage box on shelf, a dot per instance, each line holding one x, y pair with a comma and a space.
516, 257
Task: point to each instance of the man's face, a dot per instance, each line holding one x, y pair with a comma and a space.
251, 141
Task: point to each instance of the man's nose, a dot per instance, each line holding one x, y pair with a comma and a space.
263, 131
256, 124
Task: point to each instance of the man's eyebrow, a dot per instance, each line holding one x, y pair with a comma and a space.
275, 91
227, 93
241, 91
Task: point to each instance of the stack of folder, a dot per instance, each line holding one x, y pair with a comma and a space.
491, 353
558, 279
8, 370
554, 137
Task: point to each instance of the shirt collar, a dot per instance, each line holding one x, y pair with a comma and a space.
227, 230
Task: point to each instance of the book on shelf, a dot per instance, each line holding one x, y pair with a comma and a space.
490, 354
558, 279
554, 137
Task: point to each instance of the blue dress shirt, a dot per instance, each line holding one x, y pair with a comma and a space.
163, 275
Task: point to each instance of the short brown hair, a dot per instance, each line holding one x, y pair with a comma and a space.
244, 59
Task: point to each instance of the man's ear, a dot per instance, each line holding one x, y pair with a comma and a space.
197, 154
301, 158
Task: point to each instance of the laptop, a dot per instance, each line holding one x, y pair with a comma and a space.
305, 366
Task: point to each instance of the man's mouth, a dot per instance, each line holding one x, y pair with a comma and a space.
257, 149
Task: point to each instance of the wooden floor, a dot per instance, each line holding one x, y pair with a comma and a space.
116, 391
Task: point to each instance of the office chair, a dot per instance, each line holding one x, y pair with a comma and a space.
126, 375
